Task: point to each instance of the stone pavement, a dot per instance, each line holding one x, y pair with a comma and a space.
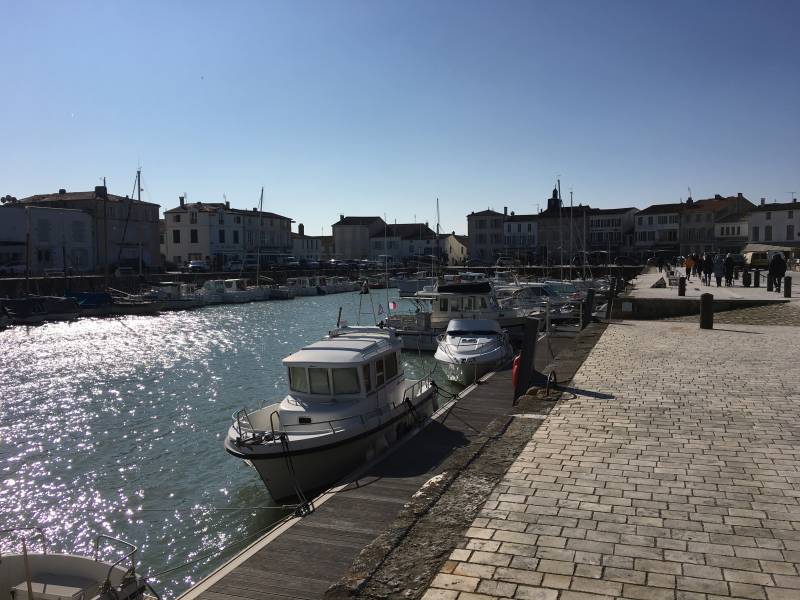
640, 288
672, 474
771, 314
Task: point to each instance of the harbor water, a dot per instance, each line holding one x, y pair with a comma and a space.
116, 426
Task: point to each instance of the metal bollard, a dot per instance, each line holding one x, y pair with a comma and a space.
707, 311
787, 287
681, 286
757, 278
769, 283
746, 279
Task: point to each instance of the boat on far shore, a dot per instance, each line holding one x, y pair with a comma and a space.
30, 310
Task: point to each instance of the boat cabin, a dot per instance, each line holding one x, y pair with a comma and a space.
461, 301
351, 361
235, 285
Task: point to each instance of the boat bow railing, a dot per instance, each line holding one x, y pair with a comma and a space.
130, 555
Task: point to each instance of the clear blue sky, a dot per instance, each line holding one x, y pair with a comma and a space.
381, 107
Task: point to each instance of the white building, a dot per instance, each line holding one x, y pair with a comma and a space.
657, 229
59, 238
732, 232
521, 236
217, 233
455, 248
403, 241
611, 230
776, 223
308, 247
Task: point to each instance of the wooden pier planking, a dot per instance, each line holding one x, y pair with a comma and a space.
306, 559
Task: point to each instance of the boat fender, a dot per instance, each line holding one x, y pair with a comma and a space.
515, 371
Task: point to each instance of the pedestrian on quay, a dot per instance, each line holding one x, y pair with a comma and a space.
728, 267
698, 265
660, 263
708, 268
719, 269
689, 263
777, 270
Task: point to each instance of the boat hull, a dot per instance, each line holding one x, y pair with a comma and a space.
466, 373
316, 469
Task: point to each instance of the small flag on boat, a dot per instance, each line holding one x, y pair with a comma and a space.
392, 305
380, 309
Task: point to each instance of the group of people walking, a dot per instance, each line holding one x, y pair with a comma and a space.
705, 266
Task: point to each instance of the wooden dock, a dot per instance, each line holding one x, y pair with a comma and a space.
305, 556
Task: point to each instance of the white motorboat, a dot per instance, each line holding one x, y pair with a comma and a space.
434, 309
174, 295
53, 576
408, 286
237, 292
301, 286
471, 348
348, 402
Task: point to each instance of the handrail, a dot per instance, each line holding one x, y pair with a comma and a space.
131, 554
35, 528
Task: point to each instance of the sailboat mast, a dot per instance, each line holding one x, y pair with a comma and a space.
571, 229
560, 232
258, 236
438, 251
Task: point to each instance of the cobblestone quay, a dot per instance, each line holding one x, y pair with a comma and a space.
672, 474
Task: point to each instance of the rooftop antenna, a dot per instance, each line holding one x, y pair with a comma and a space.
792, 195
690, 192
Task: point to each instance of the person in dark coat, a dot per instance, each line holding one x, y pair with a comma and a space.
708, 269
728, 267
777, 270
660, 263
719, 269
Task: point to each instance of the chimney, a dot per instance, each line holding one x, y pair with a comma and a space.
227, 205
301, 230
505, 210
512, 213
763, 201
182, 200
717, 197
62, 191
739, 195
794, 200
255, 209
341, 217
100, 190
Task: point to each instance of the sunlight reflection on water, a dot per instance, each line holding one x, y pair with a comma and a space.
116, 426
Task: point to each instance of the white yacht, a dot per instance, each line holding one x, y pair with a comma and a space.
348, 401
471, 348
45, 575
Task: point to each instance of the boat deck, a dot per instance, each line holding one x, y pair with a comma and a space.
303, 560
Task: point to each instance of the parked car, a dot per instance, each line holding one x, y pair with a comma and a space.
756, 260
197, 266
738, 260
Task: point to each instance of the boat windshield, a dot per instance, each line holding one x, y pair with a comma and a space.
345, 381
480, 333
